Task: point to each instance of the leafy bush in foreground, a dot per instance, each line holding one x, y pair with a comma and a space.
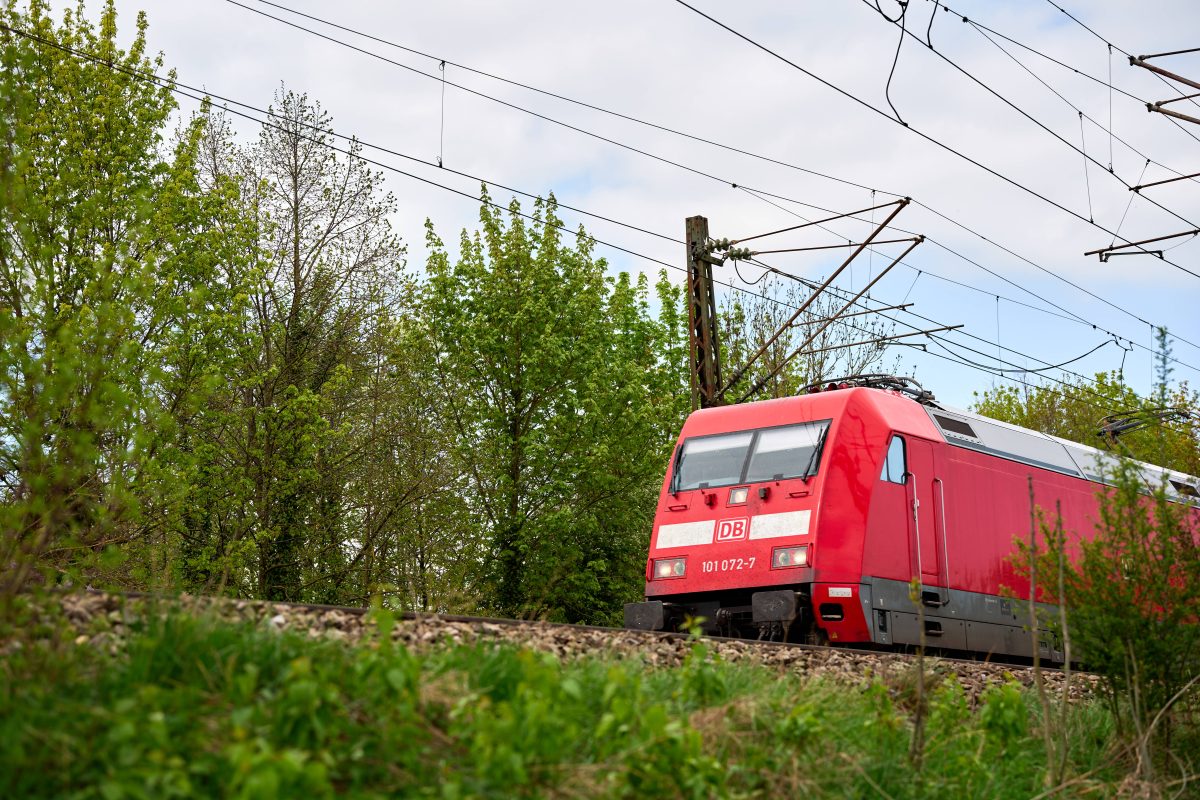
194, 707
1131, 596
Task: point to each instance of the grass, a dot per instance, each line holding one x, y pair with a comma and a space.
193, 706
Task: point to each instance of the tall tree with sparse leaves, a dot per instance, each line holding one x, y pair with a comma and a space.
293, 431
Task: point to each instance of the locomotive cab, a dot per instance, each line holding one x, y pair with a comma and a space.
760, 523
737, 510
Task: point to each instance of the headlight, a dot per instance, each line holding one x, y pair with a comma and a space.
782, 557
669, 568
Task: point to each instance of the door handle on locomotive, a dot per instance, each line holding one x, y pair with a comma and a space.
945, 546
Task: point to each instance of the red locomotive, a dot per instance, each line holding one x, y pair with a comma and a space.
808, 517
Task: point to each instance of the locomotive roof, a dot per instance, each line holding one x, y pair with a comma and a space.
897, 412
977, 432
957, 427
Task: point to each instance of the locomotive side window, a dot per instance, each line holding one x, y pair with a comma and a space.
893, 465
765, 454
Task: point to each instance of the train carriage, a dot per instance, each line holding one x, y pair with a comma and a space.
809, 517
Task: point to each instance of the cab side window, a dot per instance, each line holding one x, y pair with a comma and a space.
894, 464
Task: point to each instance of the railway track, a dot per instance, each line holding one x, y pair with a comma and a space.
103, 619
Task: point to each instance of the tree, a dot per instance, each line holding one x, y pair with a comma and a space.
326, 475
747, 322
1162, 366
560, 402
311, 402
118, 292
398, 529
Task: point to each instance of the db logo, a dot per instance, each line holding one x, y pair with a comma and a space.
729, 530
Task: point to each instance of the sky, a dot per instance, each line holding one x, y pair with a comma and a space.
661, 62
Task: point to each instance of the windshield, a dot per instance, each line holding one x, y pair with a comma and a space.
766, 454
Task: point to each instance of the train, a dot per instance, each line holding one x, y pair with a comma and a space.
864, 513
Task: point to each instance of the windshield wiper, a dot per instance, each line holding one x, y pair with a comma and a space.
676, 462
815, 458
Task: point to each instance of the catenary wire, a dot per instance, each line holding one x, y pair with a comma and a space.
175, 87
1124, 52
1039, 370
1084, 385
1082, 115
545, 118
863, 304
972, 365
1047, 129
200, 96
695, 138
927, 137
763, 196
172, 86
1129, 205
172, 83
999, 359
1107, 129
1082, 73
1109, 84
768, 269
566, 99
1053, 274
1071, 316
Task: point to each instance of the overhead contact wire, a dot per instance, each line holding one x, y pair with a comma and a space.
1081, 73
175, 87
1087, 181
674, 132
544, 92
1054, 134
1077, 109
1086, 382
917, 131
1110, 44
1037, 266
1066, 313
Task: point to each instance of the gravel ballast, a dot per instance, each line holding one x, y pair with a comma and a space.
103, 620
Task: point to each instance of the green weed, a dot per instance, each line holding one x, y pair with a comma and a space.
196, 707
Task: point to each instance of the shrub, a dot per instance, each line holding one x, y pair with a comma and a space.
1132, 597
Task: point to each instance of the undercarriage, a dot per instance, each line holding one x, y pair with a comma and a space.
781, 615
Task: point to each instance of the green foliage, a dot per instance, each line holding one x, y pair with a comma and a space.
120, 281
279, 487
562, 409
215, 375
1131, 587
199, 707
1162, 366
1132, 596
1003, 716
